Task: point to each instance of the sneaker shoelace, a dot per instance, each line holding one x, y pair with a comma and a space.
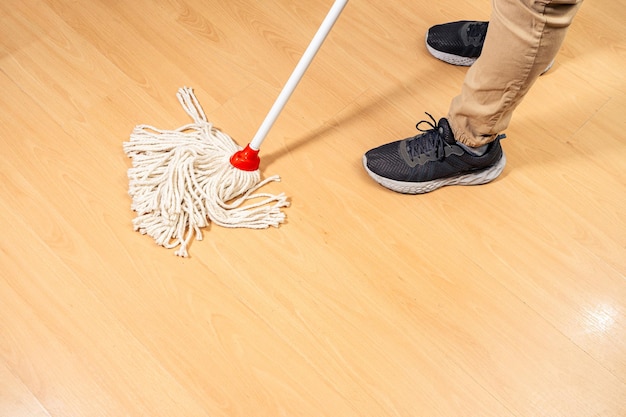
429, 140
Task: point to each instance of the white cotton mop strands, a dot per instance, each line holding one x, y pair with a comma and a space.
182, 179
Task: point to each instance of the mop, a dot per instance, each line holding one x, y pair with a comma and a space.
182, 180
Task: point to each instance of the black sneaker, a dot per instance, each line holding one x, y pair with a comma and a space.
431, 160
457, 43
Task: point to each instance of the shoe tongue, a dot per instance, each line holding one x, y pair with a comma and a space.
446, 131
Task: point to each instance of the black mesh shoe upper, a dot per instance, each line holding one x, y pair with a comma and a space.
464, 38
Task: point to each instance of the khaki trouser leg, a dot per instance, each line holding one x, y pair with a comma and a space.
523, 38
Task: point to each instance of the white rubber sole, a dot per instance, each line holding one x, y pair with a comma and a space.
474, 178
449, 58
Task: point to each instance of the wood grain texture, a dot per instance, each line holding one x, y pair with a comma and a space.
507, 299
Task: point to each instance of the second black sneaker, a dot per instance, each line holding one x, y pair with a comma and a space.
457, 43
431, 160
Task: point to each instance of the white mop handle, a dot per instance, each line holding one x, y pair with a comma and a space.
297, 73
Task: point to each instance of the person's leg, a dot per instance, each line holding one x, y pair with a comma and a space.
523, 38
464, 149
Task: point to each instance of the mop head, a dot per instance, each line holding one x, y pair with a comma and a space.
181, 180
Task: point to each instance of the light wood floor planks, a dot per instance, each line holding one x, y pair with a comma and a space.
504, 300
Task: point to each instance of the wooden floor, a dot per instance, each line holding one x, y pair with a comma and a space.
503, 300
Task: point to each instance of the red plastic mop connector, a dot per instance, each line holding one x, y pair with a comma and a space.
246, 159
